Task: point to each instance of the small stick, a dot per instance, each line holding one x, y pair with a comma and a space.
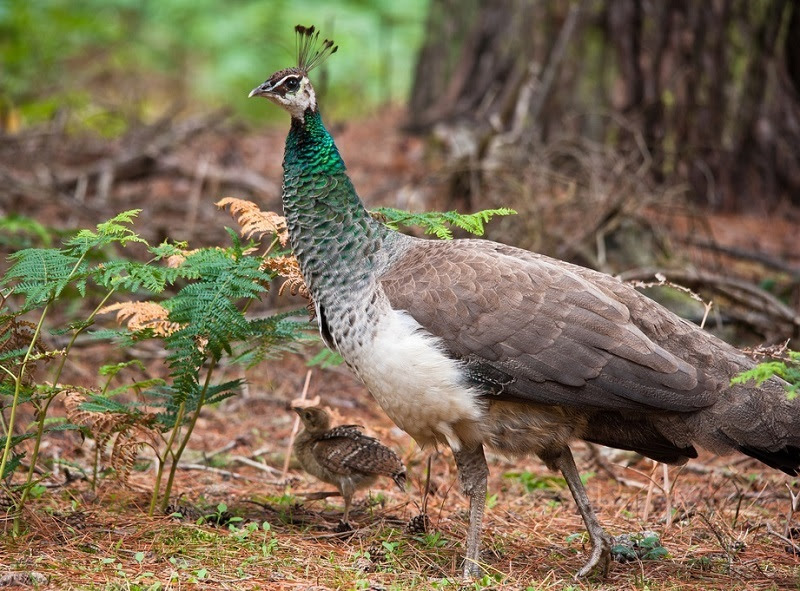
794, 505
649, 498
794, 547
255, 464
295, 429
227, 447
220, 471
668, 496
427, 485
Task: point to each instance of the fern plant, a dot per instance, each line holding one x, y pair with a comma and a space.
198, 326
39, 277
440, 224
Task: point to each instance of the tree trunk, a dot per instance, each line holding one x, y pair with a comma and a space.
710, 90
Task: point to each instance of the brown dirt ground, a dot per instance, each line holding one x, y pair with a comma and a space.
729, 514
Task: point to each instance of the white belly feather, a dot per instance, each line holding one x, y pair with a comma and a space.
416, 384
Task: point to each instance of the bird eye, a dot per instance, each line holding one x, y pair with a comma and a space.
292, 83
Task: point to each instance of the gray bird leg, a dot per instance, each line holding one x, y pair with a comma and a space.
472, 472
601, 543
347, 500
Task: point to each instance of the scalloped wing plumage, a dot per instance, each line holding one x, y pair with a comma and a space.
346, 450
541, 332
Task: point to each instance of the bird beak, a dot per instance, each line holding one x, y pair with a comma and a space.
261, 90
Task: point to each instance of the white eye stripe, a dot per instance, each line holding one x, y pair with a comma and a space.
284, 79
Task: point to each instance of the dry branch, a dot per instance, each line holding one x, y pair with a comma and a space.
750, 304
139, 159
746, 255
239, 178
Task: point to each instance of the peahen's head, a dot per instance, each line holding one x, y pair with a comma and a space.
290, 88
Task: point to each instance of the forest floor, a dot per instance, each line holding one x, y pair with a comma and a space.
725, 523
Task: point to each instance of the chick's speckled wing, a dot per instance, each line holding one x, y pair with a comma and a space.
346, 450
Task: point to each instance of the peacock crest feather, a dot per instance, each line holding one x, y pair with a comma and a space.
309, 53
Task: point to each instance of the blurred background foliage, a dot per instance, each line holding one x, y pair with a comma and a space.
109, 61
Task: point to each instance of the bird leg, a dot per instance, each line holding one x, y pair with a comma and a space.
472, 472
347, 500
601, 543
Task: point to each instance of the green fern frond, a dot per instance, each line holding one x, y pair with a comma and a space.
788, 369
440, 224
133, 276
325, 359
219, 392
115, 230
95, 403
121, 337
18, 231
166, 250
11, 356
14, 461
140, 385
271, 337
112, 370
42, 274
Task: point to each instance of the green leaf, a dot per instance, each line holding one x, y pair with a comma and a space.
325, 358
133, 276
440, 224
41, 274
112, 231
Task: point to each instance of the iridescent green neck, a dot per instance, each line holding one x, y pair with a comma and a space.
331, 232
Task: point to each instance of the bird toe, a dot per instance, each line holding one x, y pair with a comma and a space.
343, 527
599, 559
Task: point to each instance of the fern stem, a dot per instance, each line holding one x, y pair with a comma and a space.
163, 459
12, 418
189, 428
42, 412
17, 389
95, 466
89, 321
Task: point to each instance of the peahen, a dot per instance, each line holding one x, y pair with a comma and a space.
472, 343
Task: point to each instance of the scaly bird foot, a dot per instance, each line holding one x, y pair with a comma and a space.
599, 558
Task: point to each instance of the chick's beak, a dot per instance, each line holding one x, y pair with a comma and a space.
261, 90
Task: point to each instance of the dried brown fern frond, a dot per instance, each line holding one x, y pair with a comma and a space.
288, 268
143, 315
132, 431
125, 451
100, 425
176, 260
778, 351
18, 334
253, 221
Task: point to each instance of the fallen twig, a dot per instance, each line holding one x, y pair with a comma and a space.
255, 464
756, 307
220, 471
295, 428
795, 549
141, 158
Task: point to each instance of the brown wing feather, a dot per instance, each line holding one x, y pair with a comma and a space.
345, 450
547, 331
